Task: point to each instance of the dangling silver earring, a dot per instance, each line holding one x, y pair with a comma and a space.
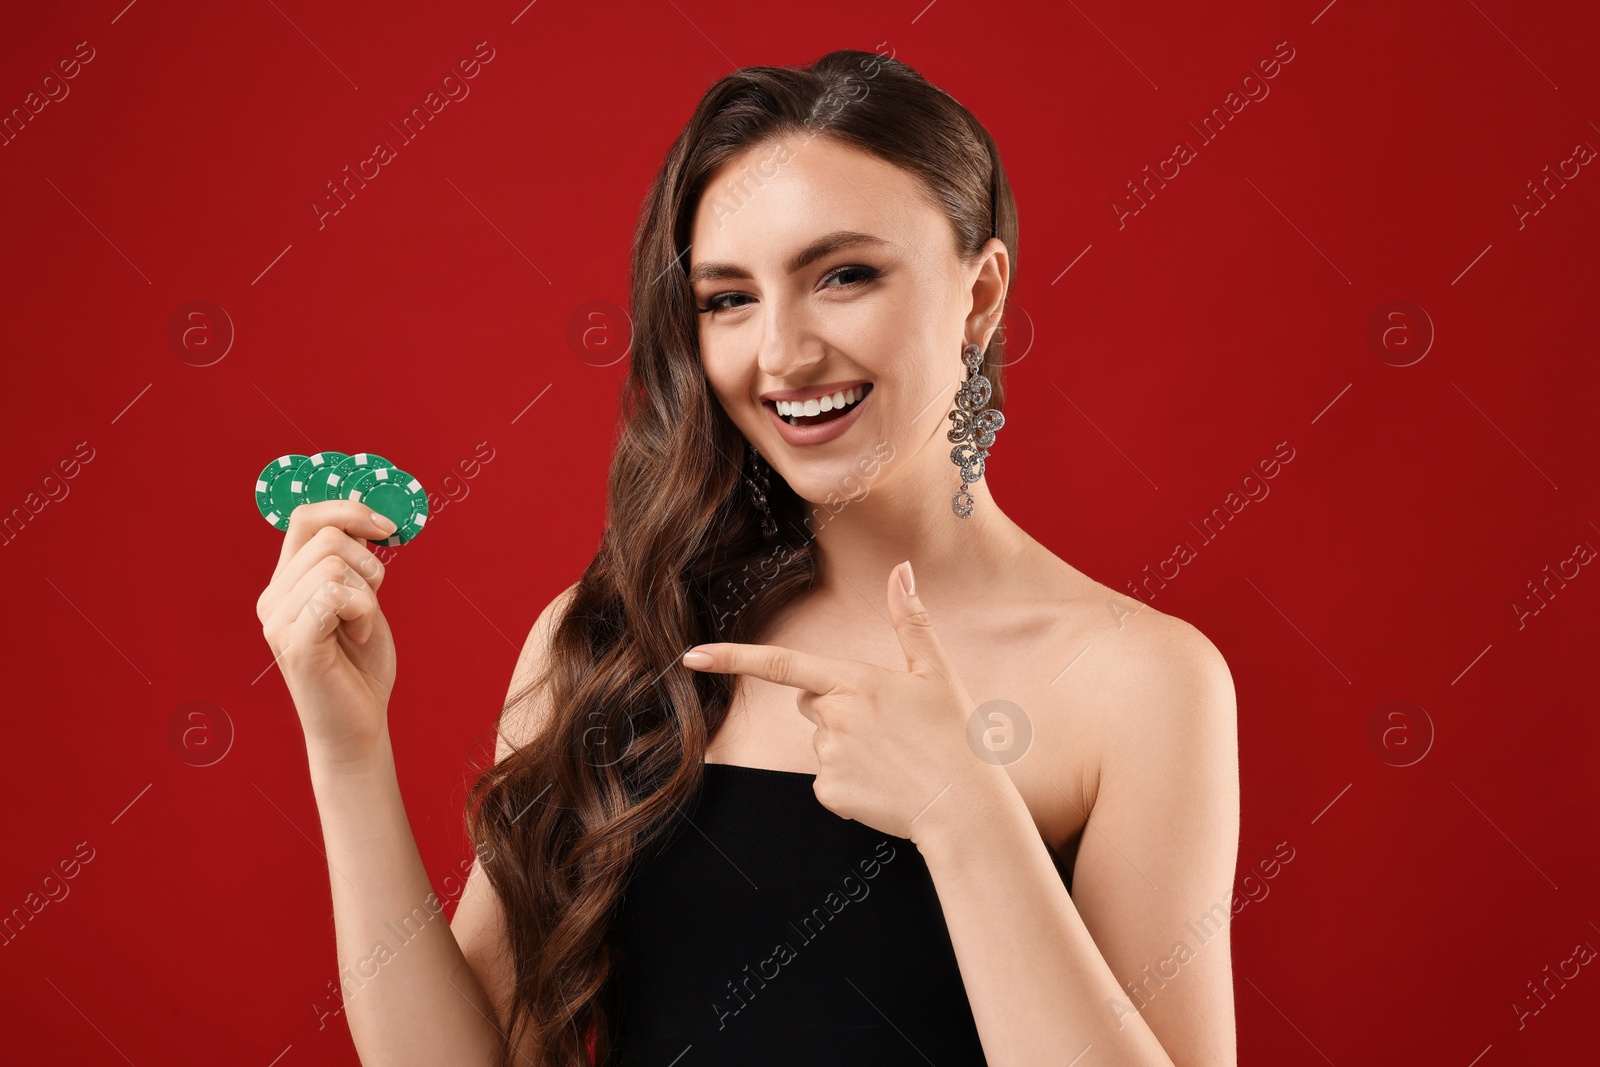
756, 475
976, 424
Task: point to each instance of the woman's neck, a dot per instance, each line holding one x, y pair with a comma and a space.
952, 557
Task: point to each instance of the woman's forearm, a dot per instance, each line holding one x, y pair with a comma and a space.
409, 996
1035, 979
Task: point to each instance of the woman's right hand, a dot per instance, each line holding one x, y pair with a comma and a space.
320, 616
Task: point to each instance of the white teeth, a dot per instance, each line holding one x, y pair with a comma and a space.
817, 405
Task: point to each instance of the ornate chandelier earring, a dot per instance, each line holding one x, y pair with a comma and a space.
975, 425
756, 475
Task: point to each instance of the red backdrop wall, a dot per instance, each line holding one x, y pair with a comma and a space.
1380, 271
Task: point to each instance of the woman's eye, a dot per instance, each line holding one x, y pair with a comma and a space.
865, 274
716, 303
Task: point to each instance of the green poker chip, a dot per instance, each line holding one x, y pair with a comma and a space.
348, 469
391, 491
310, 481
365, 477
274, 497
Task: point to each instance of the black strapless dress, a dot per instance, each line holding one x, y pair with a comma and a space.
764, 930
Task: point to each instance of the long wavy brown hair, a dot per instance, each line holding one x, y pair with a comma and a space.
682, 560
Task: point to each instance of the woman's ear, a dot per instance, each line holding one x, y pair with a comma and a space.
989, 285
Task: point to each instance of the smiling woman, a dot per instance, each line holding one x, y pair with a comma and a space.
687, 758
814, 286
755, 692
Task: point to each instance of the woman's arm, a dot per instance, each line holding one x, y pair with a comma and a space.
1045, 971
418, 990
479, 922
408, 1001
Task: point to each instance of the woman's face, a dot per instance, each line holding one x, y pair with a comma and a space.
825, 268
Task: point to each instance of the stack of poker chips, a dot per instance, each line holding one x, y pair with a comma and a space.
291, 480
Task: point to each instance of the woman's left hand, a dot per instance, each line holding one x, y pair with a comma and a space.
889, 743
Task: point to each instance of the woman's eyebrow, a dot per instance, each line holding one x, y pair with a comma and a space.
823, 245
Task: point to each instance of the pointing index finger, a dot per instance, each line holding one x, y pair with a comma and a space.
774, 663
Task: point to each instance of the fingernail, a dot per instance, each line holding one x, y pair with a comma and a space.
908, 581
697, 659
385, 523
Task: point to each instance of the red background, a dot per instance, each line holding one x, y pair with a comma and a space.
1230, 314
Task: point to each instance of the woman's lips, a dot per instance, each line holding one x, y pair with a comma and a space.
817, 433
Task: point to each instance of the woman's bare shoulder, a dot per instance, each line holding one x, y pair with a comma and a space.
1129, 658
